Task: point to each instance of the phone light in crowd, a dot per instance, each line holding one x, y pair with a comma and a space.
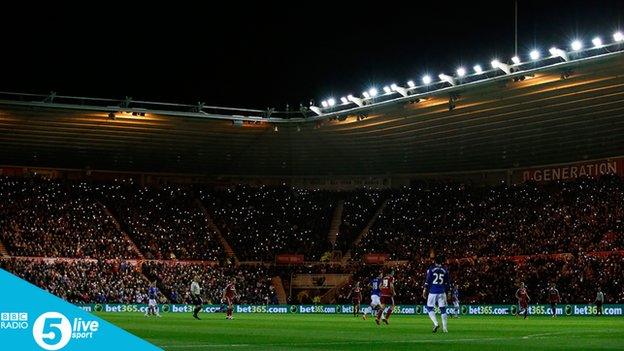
534, 55
576, 45
618, 36
387, 89
426, 79
344, 100
597, 42
478, 69
372, 92
515, 60
461, 71
411, 84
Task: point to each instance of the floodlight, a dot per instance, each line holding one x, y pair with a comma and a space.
478, 69
534, 54
461, 71
597, 42
426, 79
576, 45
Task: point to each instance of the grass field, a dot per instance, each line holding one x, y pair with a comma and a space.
342, 332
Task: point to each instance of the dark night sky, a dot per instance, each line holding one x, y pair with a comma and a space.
252, 55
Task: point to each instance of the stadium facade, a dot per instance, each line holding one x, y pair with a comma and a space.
564, 108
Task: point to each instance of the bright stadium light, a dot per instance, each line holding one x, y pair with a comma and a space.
426, 79
411, 84
446, 78
478, 69
366, 95
618, 36
399, 90
534, 55
461, 71
597, 42
515, 60
344, 100
324, 103
331, 102
355, 100
387, 89
576, 45
372, 92
554, 52
502, 66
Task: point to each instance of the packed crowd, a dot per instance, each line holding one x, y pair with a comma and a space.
263, 221
484, 231
165, 222
114, 281
57, 219
577, 216
83, 281
359, 207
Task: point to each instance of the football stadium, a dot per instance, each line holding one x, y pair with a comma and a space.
476, 208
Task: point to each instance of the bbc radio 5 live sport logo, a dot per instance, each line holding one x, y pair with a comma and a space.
53, 331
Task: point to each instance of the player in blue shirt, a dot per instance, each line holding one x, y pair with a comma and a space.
152, 296
375, 284
437, 285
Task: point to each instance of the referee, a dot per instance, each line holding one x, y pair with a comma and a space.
599, 301
196, 296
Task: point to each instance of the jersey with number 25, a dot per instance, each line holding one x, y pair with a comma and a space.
438, 280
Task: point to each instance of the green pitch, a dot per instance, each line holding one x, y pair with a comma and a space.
179, 332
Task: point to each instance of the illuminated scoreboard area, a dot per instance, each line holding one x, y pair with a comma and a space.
552, 105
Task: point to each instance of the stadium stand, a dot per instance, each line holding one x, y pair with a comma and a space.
57, 219
165, 222
264, 221
526, 219
569, 232
82, 280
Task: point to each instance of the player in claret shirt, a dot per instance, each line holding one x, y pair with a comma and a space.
387, 299
228, 297
523, 301
554, 299
437, 285
356, 294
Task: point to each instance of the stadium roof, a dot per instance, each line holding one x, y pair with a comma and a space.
559, 109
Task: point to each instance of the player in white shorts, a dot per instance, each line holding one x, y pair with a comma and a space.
437, 285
